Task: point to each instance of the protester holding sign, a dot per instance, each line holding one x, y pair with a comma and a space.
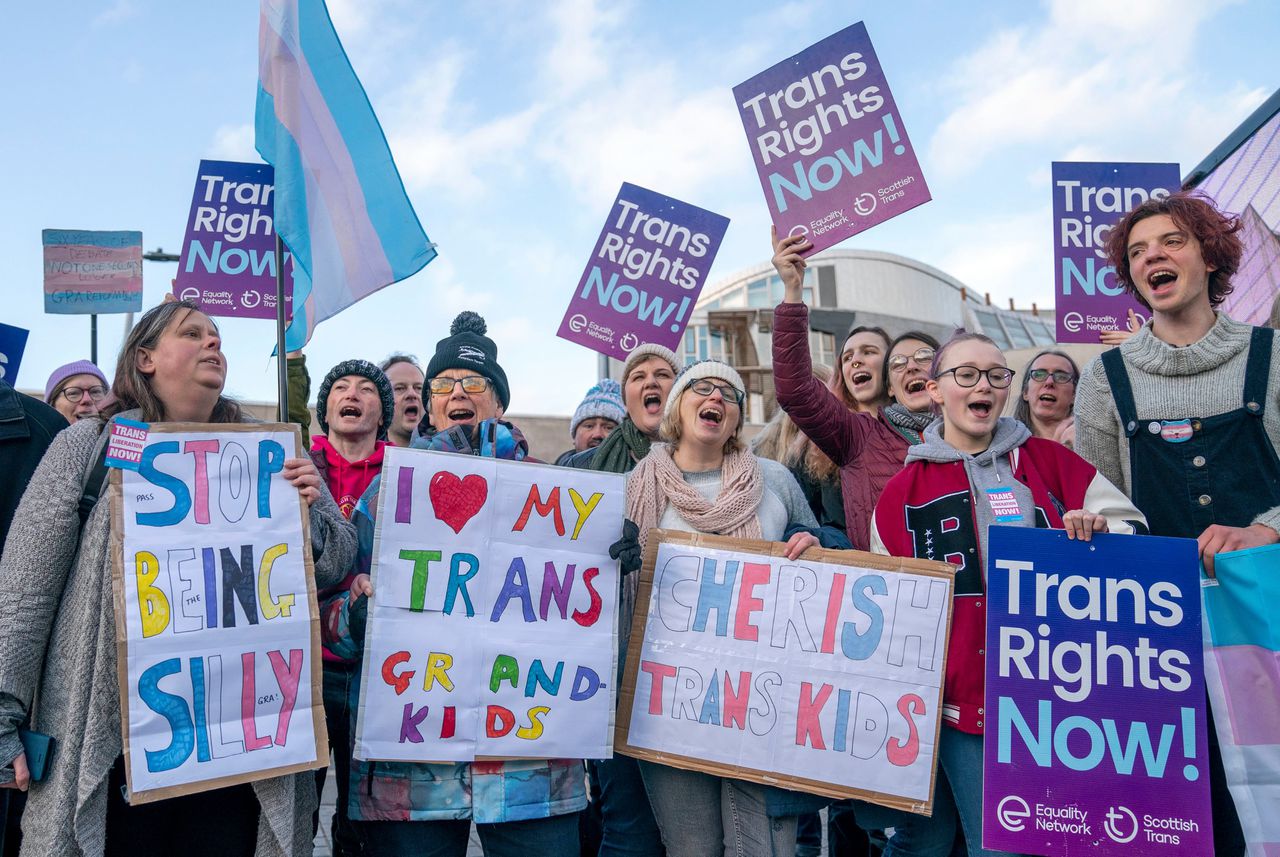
647, 376
869, 448
1185, 416
354, 407
704, 480
975, 469
76, 389
526, 808
59, 659
1048, 396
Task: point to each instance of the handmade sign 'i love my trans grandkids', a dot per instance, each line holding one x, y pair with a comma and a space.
492, 629
217, 630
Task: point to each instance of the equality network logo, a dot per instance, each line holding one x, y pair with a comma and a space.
1012, 813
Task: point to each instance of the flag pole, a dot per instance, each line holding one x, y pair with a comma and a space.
281, 365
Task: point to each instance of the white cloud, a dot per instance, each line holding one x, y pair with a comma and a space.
1088, 75
577, 56
1006, 255
234, 143
121, 10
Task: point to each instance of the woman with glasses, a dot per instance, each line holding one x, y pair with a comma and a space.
76, 390
58, 661
869, 448
978, 468
703, 480
1048, 397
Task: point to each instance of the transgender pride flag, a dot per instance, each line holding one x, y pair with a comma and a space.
1242, 672
340, 204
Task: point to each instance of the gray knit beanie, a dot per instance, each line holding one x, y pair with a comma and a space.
364, 369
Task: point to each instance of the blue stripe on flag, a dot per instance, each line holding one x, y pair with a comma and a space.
1241, 609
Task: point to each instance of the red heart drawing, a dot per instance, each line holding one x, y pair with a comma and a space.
456, 501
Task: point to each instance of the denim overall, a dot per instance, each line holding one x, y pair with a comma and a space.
1190, 474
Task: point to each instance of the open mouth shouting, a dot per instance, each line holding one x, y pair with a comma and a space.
412, 413
354, 411
460, 414
1161, 281
915, 385
981, 408
860, 378
710, 416
652, 402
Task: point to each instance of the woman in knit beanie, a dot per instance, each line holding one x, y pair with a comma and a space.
647, 377
703, 480
76, 389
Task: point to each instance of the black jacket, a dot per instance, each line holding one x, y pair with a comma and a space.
27, 427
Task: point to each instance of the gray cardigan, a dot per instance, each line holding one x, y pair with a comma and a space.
57, 635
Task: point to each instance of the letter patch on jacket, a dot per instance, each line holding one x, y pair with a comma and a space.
943, 530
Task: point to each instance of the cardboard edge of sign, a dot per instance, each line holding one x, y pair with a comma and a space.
859, 559
318, 727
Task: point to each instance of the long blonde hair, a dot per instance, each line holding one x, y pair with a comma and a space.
782, 441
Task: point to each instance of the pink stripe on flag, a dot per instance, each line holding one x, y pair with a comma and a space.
1250, 674
87, 268
332, 179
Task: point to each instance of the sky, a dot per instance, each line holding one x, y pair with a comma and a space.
514, 124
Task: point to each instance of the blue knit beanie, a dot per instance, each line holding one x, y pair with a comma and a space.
602, 400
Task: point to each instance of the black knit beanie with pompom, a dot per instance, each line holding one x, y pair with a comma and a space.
467, 347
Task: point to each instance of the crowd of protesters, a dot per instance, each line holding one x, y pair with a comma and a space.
904, 430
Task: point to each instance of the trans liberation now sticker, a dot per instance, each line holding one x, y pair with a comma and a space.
124, 448
1004, 505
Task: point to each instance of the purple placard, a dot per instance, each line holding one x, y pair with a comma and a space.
644, 277
1082, 758
228, 262
828, 141
1088, 198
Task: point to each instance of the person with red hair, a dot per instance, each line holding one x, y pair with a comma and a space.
1185, 415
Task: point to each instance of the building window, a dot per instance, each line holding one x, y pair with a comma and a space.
823, 348
758, 293
991, 327
1017, 333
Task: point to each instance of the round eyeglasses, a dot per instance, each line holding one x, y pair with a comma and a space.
470, 384
75, 394
705, 387
967, 376
1059, 376
923, 357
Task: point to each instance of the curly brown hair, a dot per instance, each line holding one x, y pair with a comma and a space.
1220, 246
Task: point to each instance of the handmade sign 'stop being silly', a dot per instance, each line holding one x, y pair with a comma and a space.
828, 141
492, 630
645, 274
1088, 199
1095, 697
822, 674
217, 627
228, 261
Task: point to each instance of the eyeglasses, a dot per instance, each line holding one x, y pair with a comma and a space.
922, 357
1059, 376
75, 394
967, 376
705, 387
470, 384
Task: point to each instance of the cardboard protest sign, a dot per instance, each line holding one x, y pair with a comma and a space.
1088, 199
1096, 733
829, 143
88, 272
13, 342
822, 675
645, 274
228, 261
217, 631
492, 632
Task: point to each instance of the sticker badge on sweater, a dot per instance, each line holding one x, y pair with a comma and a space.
1004, 505
128, 439
1176, 431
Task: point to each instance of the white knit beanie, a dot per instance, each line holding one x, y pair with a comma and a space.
643, 352
707, 369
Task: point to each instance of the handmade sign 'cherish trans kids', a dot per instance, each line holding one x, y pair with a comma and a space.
822, 674
1095, 701
492, 629
1088, 199
216, 624
645, 274
88, 271
828, 141
228, 261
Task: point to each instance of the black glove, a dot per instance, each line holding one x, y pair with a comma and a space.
358, 618
627, 549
